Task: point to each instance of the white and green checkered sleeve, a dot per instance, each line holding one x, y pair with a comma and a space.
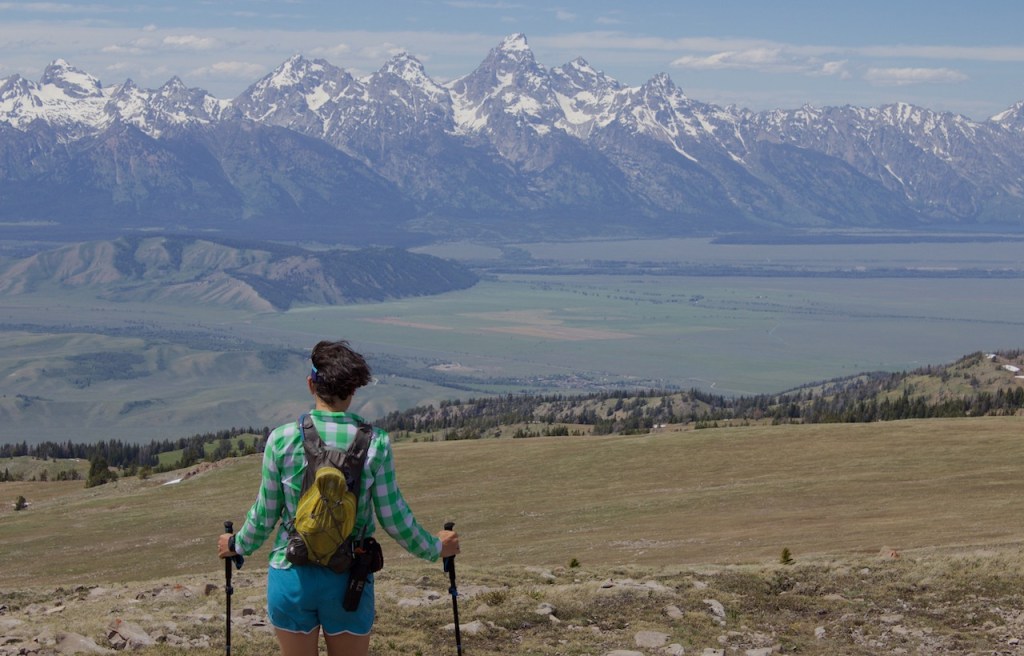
266, 510
394, 514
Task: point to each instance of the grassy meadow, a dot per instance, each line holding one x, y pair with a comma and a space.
903, 535
671, 498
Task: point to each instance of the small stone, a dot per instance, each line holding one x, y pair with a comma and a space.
125, 635
73, 643
717, 610
650, 639
545, 609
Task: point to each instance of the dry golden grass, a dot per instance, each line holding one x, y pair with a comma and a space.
712, 506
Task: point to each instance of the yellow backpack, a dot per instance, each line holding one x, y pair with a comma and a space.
321, 532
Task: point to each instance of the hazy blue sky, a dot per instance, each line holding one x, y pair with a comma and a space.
949, 55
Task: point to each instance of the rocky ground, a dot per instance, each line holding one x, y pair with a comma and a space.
889, 604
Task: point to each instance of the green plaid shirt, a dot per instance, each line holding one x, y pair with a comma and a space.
284, 463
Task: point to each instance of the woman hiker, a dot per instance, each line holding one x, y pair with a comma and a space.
303, 599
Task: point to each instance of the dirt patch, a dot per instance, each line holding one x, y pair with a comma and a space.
555, 331
534, 323
394, 321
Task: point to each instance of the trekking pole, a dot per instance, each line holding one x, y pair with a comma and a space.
228, 589
449, 566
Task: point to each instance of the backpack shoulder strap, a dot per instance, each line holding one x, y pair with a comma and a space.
314, 447
357, 451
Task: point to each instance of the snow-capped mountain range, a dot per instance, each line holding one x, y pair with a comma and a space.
510, 149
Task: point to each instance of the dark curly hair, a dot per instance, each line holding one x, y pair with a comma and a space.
338, 371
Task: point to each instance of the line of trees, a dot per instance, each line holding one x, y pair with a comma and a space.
865, 398
622, 412
124, 455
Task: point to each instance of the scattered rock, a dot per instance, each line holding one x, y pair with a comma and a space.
651, 639
475, 627
674, 612
888, 554
8, 624
125, 635
624, 652
630, 584
761, 651
675, 649
544, 574
710, 651
819, 632
545, 609
72, 643
717, 610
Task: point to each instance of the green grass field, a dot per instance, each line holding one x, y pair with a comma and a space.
720, 496
904, 538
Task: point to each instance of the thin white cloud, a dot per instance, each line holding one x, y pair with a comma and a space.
191, 42
563, 15
380, 52
230, 69
694, 46
765, 60
331, 51
961, 53
55, 7
835, 68
904, 76
607, 20
467, 4
117, 49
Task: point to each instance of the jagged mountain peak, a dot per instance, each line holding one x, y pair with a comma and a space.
515, 43
511, 55
407, 71
1011, 118
662, 83
174, 84
72, 81
15, 85
294, 70
299, 91
405, 66
580, 74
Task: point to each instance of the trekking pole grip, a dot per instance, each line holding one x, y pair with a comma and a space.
235, 558
449, 562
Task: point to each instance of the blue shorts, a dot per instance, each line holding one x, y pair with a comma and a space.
300, 599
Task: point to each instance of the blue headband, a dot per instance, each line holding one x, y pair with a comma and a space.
313, 373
